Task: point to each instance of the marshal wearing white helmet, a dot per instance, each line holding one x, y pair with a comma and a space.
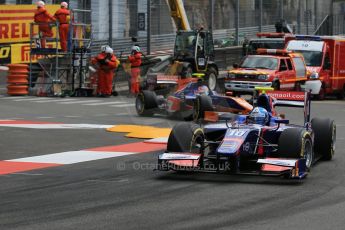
43, 18
40, 4
106, 63
108, 50
135, 48
64, 4
135, 60
63, 17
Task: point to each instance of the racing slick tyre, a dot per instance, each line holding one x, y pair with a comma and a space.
146, 103
324, 137
302, 146
201, 104
211, 78
186, 137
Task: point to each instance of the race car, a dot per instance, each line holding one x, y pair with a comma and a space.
190, 100
259, 143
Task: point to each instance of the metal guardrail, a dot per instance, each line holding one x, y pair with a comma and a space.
165, 42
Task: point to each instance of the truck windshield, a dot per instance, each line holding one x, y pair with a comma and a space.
265, 44
311, 58
185, 43
260, 62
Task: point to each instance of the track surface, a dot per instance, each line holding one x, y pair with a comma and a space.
125, 193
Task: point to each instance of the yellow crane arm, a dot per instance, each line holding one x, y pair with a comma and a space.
178, 13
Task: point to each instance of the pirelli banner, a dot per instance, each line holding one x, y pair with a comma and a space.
15, 31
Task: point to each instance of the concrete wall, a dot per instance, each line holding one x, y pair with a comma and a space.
100, 19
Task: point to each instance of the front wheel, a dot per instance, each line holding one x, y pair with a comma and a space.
186, 137
302, 146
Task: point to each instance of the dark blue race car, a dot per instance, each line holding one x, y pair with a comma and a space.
260, 143
189, 100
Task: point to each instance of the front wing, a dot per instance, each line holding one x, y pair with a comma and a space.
290, 168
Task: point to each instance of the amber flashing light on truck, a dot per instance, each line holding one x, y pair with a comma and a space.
271, 35
272, 51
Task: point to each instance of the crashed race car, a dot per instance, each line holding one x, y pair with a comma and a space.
260, 143
189, 101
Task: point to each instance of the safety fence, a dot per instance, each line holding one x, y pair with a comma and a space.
164, 43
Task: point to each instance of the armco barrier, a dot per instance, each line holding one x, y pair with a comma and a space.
17, 79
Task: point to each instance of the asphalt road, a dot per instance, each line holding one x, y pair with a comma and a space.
125, 193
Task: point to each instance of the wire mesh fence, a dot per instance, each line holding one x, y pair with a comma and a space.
150, 20
230, 20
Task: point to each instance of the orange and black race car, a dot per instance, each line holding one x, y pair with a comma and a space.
189, 100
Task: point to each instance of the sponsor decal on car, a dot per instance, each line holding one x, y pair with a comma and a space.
285, 95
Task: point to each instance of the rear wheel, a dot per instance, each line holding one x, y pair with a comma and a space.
302, 146
211, 78
325, 137
186, 137
145, 103
202, 103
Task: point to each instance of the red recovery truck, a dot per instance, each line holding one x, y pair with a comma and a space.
265, 41
324, 57
279, 69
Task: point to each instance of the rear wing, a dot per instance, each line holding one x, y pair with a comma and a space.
167, 79
290, 99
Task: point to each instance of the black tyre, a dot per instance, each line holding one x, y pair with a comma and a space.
276, 85
146, 103
324, 137
296, 143
186, 137
201, 104
211, 78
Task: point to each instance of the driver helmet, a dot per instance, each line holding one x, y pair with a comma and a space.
259, 116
